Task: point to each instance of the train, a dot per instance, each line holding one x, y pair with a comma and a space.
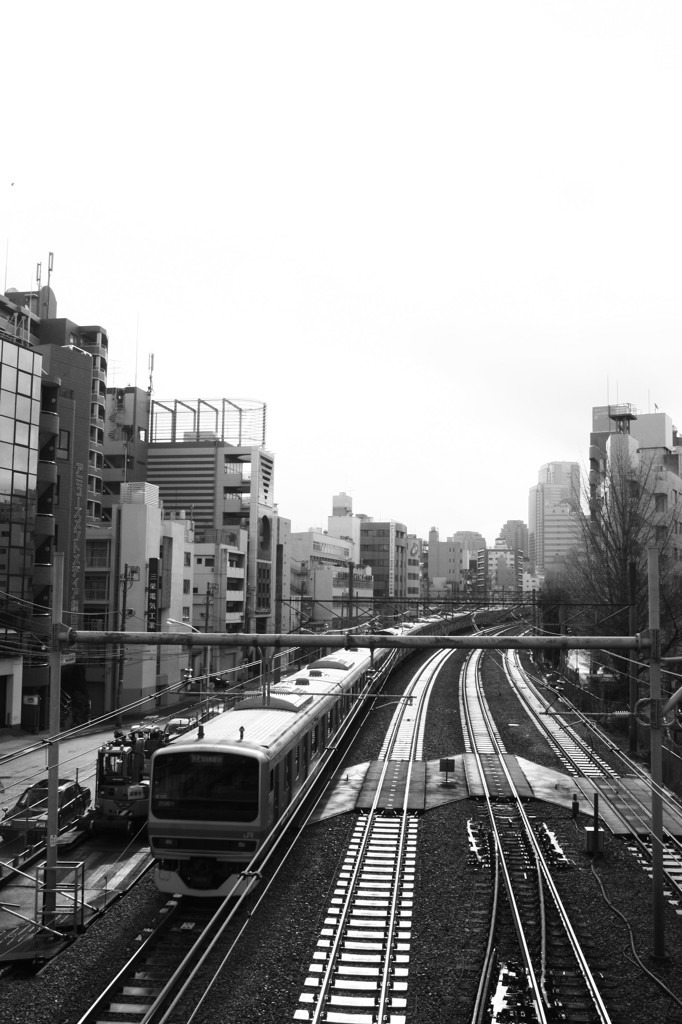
217, 792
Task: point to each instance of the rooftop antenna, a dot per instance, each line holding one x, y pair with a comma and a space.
137, 343
7, 243
39, 271
151, 371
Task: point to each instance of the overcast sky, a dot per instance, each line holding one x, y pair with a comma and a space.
430, 236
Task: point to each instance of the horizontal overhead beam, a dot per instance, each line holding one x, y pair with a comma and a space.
355, 641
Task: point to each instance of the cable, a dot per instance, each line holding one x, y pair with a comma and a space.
642, 966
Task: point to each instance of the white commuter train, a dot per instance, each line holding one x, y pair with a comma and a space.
217, 791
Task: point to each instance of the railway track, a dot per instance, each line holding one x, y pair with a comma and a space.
579, 759
535, 967
147, 984
360, 967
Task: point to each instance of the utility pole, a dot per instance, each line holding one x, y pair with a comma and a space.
656, 739
55, 670
632, 669
130, 575
211, 589
351, 569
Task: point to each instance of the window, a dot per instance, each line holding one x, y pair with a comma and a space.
188, 558
64, 444
185, 586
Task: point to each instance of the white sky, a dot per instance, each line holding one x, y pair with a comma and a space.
431, 236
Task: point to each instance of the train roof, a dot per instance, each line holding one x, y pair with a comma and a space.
304, 694
299, 696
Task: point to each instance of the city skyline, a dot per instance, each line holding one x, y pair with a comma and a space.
431, 242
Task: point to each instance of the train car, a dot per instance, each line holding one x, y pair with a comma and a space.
217, 791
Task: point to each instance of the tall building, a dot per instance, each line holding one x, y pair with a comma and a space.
383, 546
552, 524
413, 587
514, 533
125, 442
452, 562
649, 448
343, 524
27, 477
499, 572
208, 459
65, 468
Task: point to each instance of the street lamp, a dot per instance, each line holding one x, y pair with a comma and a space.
189, 671
179, 622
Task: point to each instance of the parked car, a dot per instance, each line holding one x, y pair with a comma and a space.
175, 727
29, 814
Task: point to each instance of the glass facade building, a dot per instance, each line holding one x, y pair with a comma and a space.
20, 391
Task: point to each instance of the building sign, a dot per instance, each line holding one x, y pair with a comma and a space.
76, 538
153, 595
391, 560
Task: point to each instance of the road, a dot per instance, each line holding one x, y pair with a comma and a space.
77, 759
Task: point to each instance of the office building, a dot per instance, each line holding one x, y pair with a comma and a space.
208, 459
553, 505
383, 547
65, 458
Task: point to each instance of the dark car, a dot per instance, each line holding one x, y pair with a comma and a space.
29, 814
175, 727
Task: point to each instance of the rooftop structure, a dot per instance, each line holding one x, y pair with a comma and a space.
236, 421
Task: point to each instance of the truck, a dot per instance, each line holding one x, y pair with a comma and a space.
122, 786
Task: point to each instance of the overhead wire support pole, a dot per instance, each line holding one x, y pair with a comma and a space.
336, 641
656, 739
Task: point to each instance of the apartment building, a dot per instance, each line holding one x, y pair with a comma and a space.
648, 447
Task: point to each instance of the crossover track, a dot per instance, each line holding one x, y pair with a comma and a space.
544, 973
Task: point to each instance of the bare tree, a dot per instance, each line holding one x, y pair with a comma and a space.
622, 515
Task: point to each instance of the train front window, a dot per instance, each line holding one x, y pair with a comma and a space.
205, 786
